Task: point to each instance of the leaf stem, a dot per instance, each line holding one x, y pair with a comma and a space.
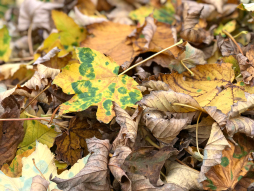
181, 104
192, 74
29, 39
201, 156
232, 38
38, 169
151, 142
53, 115
25, 119
240, 33
180, 42
35, 98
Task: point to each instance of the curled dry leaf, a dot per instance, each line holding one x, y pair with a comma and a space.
213, 150
94, 176
240, 124
156, 85
165, 130
182, 176
165, 100
128, 133
226, 46
115, 163
148, 162
234, 165
11, 132
39, 184
217, 115
36, 13
218, 4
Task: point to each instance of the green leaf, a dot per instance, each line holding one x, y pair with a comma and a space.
5, 39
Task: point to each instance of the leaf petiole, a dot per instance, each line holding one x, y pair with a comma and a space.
192, 74
180, 42
201, 156
181, 104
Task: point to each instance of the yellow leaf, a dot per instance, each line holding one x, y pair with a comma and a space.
5, 39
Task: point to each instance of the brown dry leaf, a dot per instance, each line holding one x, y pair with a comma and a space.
115, 163
218, 4
217, 115
11, 132
15, 168
148, 161
226, 46
193, 34
52, 60
128, 133
240, 124
192, 116
169, 101
39, 184
36, 13
182, 176
156, 85
72, 144
94, 176
213, 150
234, 165
165, 130
204, 130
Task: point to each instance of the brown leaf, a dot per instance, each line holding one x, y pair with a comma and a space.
115, 163
128, 133
72, 144
156, 85
39, 184
234, 165
94, 176
11, 132
165, 130
217, 115
213, 150
218, 4
182, 176
148, 162
226, 46
240, 124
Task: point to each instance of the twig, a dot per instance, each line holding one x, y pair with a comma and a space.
151, 142
232, 38
53, 115
30, 43
35, 98
180, 42
197, 135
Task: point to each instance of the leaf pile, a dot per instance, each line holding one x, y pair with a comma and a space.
127, 95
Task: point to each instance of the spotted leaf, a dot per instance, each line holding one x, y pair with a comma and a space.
95, 82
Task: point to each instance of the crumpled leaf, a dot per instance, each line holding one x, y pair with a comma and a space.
94, 176
165, 130
156, 85
11, 132
5, 50
15, 168
115, 163
182, 176
35, 131
148, 162
190, 57
226, 46
72, 144
44, 161
128, 133
213, 150
165, 100
240, 124
39, 184
98, 84
212, 85
193, 34
233, 166
163, 14
218, 4
37, 13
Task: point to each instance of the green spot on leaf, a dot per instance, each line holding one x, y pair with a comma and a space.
199, 90
224, 161
242, 83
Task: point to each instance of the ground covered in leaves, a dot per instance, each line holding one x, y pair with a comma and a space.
126, 95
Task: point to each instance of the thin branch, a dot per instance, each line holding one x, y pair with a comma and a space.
53, 115
180, 42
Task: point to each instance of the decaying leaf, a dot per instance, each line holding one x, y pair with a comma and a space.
97, 83
72, 144
94, 175
39, 183
234, 165
156, 85
182, 176
213, 150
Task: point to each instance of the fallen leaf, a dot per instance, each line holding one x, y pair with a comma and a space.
156, 85
212, 85
182, 176
39, 184
213, 150
98, 84
5, 50
12, 132
128, 132
71, 145
229, 27
218, 4
94, 176
234, 165
165, 130
148, 162
226, 46
190, 58
15, 168
36, 13
115, 163
240, 124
